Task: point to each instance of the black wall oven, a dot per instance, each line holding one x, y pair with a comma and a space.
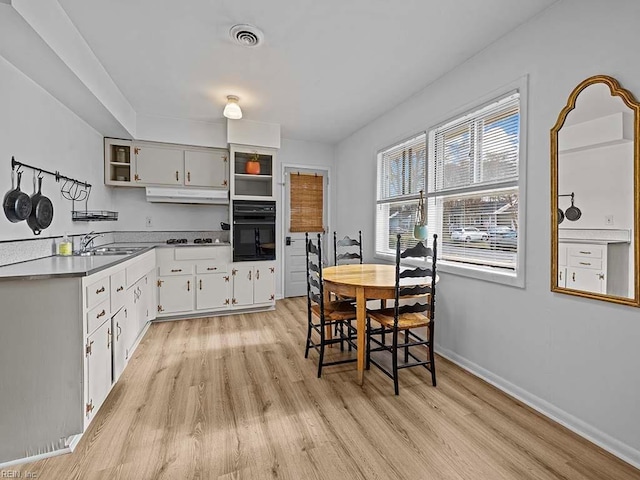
254, 230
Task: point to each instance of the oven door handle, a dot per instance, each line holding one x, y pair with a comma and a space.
254, 222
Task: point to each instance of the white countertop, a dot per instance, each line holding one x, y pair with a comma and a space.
80, 266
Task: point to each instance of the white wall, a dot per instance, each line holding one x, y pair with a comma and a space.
574, 358
40, 131
179, 130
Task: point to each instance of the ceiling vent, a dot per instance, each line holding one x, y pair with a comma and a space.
246, 35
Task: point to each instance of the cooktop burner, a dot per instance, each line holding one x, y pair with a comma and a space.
171, 241
203, 240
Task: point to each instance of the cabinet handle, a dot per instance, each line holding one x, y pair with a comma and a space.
200, 284
100, 290
573, 276
119, 331
257, 274
585, 253
119, 289
188, 285
188, 176
101, 314
212, 268
584, 263
249, 274
108, 338
560, 276
177, 176
174, 270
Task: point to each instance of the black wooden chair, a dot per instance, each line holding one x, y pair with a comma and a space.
416, 311
345, 246
323, 316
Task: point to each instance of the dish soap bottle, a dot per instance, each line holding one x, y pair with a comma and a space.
65, 248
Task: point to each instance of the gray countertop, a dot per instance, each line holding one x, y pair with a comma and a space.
80, 266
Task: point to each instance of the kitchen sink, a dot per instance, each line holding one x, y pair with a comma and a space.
112, 251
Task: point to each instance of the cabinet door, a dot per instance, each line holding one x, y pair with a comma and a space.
213, 291
121, 330
242, 285
205, 169
98, 368
562, 276
586, 279
176, 294
264, 285
141, 304
151, 294
159, 166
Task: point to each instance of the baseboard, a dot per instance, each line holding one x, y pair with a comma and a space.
589, 432
73, 443
33, 458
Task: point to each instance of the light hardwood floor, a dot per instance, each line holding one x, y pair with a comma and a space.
234, 398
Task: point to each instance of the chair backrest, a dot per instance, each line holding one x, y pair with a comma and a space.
419, 291
346, 245
315, 287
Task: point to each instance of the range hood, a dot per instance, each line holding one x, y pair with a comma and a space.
187, 195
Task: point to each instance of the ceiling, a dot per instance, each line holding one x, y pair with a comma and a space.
326, 68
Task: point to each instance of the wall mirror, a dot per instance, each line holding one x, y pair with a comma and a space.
594, 193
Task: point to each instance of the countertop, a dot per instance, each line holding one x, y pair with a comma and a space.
79, 266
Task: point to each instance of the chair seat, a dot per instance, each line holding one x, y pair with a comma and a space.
334, 311
406, 321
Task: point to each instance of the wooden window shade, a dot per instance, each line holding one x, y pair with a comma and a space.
307, 203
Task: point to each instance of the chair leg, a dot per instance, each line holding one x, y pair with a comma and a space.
306, 350
349, 335
368, 353
432, 357
321, 360
406, 349
341, 335
395, 361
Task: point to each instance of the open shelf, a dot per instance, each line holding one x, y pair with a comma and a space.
253, 178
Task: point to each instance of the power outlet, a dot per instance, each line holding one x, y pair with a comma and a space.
149, 222
608, 219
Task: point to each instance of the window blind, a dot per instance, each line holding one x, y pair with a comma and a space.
307, 203
473, 185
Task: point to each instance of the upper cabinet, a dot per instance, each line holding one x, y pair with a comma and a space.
252, 172
134, 163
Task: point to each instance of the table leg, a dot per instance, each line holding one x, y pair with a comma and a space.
361, 317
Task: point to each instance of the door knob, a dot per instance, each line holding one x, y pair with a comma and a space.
288, 241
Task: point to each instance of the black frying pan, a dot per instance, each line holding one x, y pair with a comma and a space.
560, 216
17, 204
41, 211
573, 213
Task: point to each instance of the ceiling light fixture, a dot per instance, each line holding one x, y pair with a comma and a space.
232, 109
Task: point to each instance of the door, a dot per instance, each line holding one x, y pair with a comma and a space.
206, 169
242, 285
175, 294
295, 282
213, 291
160, 166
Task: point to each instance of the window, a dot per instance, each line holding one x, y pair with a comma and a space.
471, 176
401, 176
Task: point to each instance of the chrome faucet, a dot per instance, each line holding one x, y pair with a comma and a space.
87, 241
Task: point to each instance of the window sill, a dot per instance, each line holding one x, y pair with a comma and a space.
504, 278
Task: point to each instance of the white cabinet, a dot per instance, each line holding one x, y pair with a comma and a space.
122, 331
175, 294
253, 283
136, 163
594, 267
213, 292
98, 368
252, 186
158, 165
206, 168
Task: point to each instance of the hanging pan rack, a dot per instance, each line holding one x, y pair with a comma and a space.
73, 190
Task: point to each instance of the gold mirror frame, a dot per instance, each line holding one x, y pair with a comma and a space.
629, 100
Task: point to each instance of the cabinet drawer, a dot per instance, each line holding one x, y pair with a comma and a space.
211, 267
118, 282
97, 292
97, 316
593, 251
585, 262
140, 268
176, 268
220, 254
